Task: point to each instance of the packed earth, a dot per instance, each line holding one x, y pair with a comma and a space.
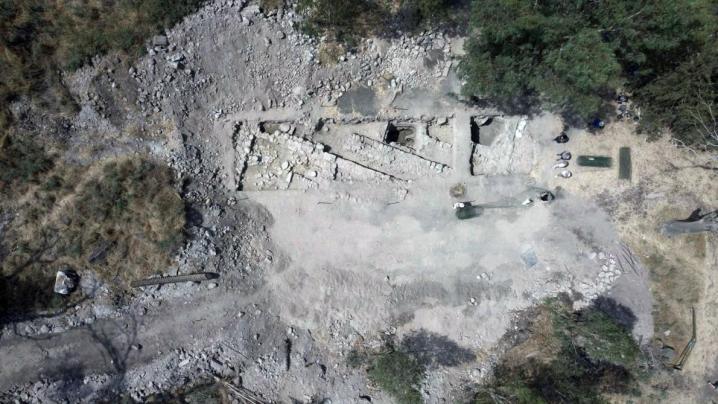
322, 200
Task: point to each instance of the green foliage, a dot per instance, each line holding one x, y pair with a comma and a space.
428, 10
271, 5
121, 219
356, 358
346, 20
579, 72
686, 100
39, 37
604, 340
398, 374
21, 161
571, 55
514, 392
593, 355
596, 333
342, 20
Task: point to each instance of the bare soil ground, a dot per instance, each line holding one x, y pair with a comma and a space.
327, 233
668, 183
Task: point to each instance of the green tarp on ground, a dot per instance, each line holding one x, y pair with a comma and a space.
594, 161
624, 163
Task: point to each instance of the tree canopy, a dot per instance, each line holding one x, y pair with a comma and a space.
572, 55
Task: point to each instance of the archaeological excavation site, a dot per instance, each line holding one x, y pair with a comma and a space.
247, 206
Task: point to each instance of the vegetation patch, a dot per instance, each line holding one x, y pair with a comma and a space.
393, 370
211, 393
271, 5
122, 219
21, 162
341, 20
344, 21
568, 357
39, 37
573, 57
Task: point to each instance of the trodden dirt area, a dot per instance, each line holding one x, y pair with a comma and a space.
321, 196
668, 183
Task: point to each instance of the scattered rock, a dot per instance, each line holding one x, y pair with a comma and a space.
66, 281
160, 41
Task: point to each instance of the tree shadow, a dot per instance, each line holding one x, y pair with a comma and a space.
23, 300
432, 350
70, 381
116, 340
618, 312
526, 104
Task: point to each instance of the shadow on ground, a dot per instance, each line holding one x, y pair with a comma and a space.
432, 350
618, 312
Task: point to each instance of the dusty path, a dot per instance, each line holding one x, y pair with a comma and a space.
703, 359
106, 346
412, 265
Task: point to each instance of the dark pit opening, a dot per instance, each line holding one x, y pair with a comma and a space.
268, 127
475, 131
484, 130
403, 135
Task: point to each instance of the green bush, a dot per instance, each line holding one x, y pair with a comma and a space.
430, 11
342, 20
684, 99
398, 374
573, 56
122, 219
39, 37
21, 161
593, 355
604, 340
271, 5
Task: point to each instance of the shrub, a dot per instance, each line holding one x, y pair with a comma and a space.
342, 20
587, 354
685, 100
21, 161
121, 219
39, 37
428, 10
604, 340
271, 5
572, 57
398, 374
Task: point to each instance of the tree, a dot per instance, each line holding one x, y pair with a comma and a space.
428, 10
685, 100
341, 19
572, 55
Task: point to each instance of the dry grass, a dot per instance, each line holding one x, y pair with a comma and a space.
566, 357
541, 347
21, 163
667, 184
271, 5
676, 288
329, 53
40, 37
121, 219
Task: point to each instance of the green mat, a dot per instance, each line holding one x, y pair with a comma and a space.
594, 161
624, 163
